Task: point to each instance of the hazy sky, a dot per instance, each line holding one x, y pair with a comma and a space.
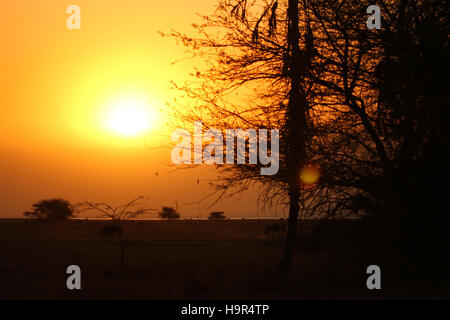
57, 87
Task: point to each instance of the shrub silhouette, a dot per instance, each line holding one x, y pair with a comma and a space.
51, 209
217, 215
169, 213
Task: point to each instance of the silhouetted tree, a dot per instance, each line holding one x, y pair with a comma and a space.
217, 215
381, 125
53, 209
380, 107
118, 216
263, 57
343, 96
412, 79
169, 213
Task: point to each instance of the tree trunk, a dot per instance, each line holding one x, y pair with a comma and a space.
291, 234
122, 255
295, 129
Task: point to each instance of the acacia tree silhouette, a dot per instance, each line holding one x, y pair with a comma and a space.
383, 138
217, 215
332, 87
119, 216
52, 209
379, 109
169, 213
255, 57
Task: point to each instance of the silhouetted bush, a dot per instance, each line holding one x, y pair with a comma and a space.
217, 215
51, 209
169, 213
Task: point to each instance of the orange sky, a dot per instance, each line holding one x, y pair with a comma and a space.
56, 85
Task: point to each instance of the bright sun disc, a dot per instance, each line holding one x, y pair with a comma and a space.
129, 117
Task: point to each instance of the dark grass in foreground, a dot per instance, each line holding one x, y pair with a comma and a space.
212, 260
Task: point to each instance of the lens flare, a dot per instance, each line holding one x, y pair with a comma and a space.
310, 174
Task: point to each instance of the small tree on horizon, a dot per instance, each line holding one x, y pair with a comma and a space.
118, 217
169, 213
51, 209
217, 215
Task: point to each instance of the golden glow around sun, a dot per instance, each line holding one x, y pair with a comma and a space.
129, 116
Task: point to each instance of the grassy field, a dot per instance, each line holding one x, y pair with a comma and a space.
206, 260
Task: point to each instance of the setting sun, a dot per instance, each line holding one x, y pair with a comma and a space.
129, 116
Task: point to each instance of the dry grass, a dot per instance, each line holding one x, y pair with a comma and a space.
179, 260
